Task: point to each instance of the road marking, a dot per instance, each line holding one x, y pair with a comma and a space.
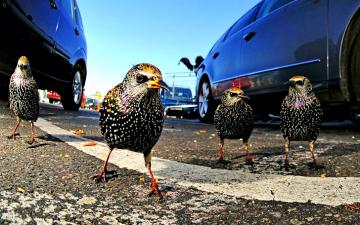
328, 191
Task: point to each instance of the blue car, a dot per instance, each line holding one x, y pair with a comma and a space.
278, 39
51, 34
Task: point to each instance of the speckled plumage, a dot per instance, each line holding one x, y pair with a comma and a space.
23, 94
234, 118
131, 116
131, 119
300, 114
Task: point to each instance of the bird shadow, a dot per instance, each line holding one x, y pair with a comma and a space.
261, 154
111, 175
37, 145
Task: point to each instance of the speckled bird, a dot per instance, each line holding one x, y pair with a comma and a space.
300, 115
132, 116
234, 120
23, 96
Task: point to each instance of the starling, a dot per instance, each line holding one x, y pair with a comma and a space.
131, 115
191, 67
234, 119
300, 115
24, 96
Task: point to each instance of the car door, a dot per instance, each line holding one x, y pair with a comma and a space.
227, 57
43, 18
288, 38
66, 39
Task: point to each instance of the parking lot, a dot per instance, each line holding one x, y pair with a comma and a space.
50, 181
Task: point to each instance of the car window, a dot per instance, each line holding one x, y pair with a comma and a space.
69, 7
78, 17
242, 22
271, 5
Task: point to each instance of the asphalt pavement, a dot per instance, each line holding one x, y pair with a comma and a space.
50, 182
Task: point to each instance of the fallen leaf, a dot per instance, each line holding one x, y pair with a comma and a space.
19, 189
142, 179
352, 207
90, 143
66, 156
202, 131
323, 175
78, 131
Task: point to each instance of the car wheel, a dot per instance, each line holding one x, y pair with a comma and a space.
4, 89
71, 97
355, 69
206, 104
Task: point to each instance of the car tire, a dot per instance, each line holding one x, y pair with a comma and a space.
71, 96
4, 89
355, 69
206, 103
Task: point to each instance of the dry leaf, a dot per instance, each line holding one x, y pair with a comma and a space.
352, 207
323, 175
78, 132
90, 143
202, 131
142, 179
19, 189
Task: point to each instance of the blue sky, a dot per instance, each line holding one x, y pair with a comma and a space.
121, 33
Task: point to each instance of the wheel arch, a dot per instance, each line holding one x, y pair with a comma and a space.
350, 36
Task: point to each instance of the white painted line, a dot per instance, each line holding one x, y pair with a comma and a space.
328, 191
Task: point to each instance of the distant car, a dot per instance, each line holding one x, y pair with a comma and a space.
278, 39
179, 102
51, 34
53, 96
92, 103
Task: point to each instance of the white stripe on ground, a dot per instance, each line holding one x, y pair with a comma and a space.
329, 191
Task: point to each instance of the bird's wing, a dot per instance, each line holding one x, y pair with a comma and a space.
198, 61
187, 63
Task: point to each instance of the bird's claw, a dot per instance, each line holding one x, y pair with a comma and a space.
286, 166
12, 136
314, 165
99, 178
155, 190
32, 141
249, 160
223, 161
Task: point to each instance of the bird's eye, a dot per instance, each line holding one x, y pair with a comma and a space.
141, 78
300, 82
233, 94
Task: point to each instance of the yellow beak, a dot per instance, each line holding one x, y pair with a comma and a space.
158, 84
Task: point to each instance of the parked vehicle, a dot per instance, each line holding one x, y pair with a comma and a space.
179, 102
278, 39
53, 97
51, 34
92, 103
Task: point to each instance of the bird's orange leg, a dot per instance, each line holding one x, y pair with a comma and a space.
311, 148
221, 145
249, 158
102, 175
154, 185
286, 144
32, 134
13, 134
